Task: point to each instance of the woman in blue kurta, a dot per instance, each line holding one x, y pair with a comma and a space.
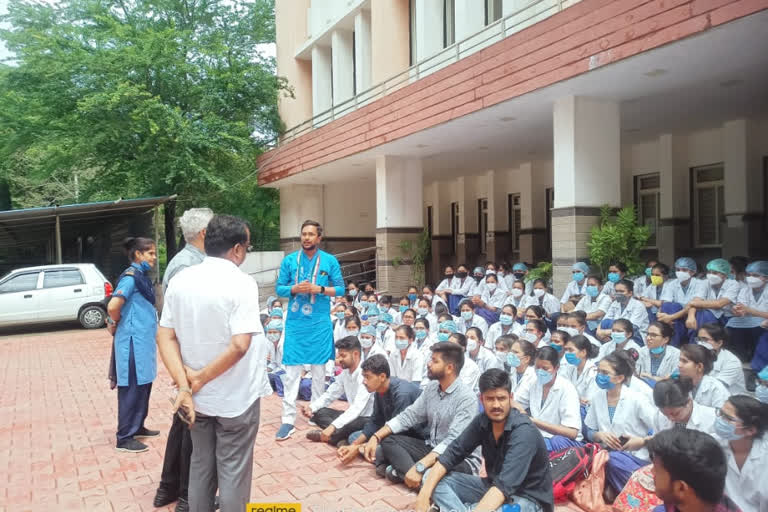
133, 322
310, 277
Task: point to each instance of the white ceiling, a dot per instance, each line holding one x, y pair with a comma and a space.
692, 84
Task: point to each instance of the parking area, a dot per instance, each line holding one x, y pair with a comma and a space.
57, 437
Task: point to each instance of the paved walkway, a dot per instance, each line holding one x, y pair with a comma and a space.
57, 435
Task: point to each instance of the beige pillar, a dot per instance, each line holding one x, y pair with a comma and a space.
390, 39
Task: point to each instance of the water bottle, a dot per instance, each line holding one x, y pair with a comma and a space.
510, 508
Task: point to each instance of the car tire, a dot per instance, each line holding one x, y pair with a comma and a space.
92, 317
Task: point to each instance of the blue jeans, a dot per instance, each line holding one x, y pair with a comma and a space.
459, 492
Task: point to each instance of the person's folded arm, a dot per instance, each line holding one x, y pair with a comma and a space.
355, 409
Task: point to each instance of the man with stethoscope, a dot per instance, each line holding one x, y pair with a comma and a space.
310, 277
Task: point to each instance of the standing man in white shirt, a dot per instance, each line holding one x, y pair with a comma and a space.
213, 345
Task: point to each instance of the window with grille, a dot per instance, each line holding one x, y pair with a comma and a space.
648, 197
513, 209
493, 11
449, 23
708, 205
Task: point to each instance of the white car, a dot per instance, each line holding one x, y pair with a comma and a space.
55, 293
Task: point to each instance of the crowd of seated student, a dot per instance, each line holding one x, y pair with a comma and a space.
617, 368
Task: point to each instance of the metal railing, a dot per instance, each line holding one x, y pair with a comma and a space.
496, 31
358, 270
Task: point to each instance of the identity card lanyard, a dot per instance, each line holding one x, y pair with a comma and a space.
314, 277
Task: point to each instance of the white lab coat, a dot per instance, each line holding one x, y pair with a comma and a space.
711, 392
702, 419
521, 381
496, 331
730, 290
610, 346
748, 486
485, 360
518, 302
640, 284
677, 292
496, 300
755, 299
654, 292
635, 312
387, 340
573, 288
634, 416
592, 304
477, 321
432, 319
729, 371
561, 407
411, 368
462, 286
547, 301
376, 348
669, 361
582, 382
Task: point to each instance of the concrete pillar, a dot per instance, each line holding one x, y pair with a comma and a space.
343, 64
533, 206
297, 204
429, 28
470, 18
587, 175
673, 234
322, 87
399, 218
390, 38
362, 51
741, 234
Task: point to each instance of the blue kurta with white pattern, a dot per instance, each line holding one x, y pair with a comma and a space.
308, 327
138, 323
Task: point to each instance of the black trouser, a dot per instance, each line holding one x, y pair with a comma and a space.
402, 452
325, 416
178, 451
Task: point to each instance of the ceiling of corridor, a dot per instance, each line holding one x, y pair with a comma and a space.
692, 84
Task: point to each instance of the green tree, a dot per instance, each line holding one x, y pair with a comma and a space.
138, 98
618, 237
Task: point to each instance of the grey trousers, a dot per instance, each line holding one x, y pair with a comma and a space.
222, 457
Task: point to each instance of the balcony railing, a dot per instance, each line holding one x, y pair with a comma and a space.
493, 33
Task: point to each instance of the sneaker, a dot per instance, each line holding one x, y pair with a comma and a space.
314, 435
131, 445
285, 431
393, 476
381, 470
145, 432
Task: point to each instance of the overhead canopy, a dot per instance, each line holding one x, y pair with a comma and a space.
88, 233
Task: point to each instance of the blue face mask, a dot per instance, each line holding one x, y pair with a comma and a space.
513, 360
423, 311
544, 377
619, 337
338, 314
373, 319
381, 327
726, 430
648, 272
352, 292
443, 336
558, 348
604, 382
572, 358
401, 344
145, 266
578, 276
675, 374
506, 319
420, 334
614, 277
761, 393
412, 297
403, 309
657, 350
592, 291
467, 315
278, 312
525, 320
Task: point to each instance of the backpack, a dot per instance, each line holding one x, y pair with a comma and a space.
569, 467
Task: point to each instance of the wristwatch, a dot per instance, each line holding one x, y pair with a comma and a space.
322, 290
420, 469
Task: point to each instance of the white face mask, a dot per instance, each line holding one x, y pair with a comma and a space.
366, 342
471, 345
572, 331
491, 287
539, 292
516, 292
682, 276
714, 279
754, 282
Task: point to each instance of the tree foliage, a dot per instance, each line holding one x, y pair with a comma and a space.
618, 238
139, 98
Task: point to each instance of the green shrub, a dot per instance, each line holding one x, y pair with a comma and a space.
618, 237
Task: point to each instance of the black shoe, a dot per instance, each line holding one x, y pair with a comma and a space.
131, 445
381, 470
145, 432
393, 476
182, 505
164, 497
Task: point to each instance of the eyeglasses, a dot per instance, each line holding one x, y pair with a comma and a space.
728, 418
651, 335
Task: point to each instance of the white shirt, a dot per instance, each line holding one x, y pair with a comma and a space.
339, 331
655, 293
748, 486
445, 284
496, 300
470, 374
411, 368
728, 370
635, 312
590, 305
527, 379
375, 349
518, 302
711, 392
561, 407
462, 287
477, 321
485, 360
547, 301
640, 284
359, 399
387, 340
668, 365
702, 419
572, 289
582, 382
755, 299
677, 292
729, 289
497, 330
206, 305
634, 416
275, 354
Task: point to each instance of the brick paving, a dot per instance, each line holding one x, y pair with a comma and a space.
57, 436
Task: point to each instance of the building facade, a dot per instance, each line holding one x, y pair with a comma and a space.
502, 126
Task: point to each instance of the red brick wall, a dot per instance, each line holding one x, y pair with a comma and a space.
590, 34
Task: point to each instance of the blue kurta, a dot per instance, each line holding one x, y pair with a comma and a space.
308, 327
138, 322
